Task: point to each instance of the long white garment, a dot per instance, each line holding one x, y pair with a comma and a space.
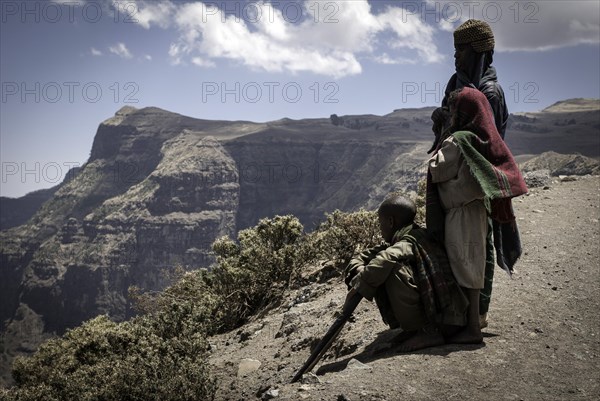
466, 220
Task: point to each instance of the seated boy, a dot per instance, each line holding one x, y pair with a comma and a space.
410, 278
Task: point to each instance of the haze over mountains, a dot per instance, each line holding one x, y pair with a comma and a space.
160, 187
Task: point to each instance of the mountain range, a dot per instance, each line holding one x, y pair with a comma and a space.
159, 188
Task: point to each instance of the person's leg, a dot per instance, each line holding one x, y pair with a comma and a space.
471, 333
385, 308
406, 303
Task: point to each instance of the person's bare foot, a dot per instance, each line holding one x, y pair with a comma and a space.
403, 336
421, 339
468, 335
483, 321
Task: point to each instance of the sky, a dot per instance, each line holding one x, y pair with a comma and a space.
65, 66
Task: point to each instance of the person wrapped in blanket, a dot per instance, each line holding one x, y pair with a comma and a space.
410, 279
474, 54
472, 178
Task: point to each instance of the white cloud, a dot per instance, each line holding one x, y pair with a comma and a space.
175, 54
148, 57
95, 52
200, 62
219, 36
412, 33
120, 50
272, 23
144, 12
341, 25
531, 26
386, 59
334, 35
329, 41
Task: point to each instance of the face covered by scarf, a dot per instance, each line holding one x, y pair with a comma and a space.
473, 68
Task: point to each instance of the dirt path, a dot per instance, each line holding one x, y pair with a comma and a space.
542, 343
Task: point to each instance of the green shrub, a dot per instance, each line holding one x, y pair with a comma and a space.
103, 360
343, 235
161, 355
252, 274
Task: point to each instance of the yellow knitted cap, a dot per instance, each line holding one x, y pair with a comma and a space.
476, 33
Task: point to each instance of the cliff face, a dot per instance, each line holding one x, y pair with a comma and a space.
16, 211
569, 126
159, 188
284, 172
145, 202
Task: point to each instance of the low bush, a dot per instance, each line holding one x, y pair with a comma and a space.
103, 360
343, 235
162, 354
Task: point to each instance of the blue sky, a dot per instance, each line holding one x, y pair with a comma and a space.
67, 65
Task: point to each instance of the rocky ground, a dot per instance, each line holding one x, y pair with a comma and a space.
542, 343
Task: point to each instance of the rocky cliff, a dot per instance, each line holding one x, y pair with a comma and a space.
159, 187
569, 126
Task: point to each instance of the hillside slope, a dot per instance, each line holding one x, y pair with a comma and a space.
542, 343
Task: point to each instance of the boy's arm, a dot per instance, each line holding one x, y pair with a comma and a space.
359, 262
444, 165
379, 269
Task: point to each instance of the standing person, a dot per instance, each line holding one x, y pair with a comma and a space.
474, 51
473, 57
473, 175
